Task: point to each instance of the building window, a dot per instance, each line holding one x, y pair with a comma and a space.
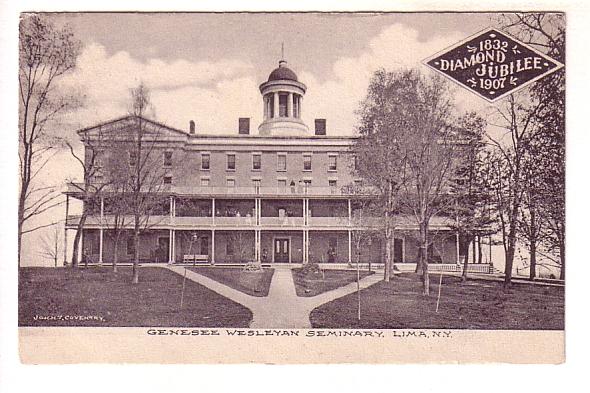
229, 246
231, 182
205, 161
355, 162
130, 246
204, 182
167, 158
256, 183
281, 162
307, 162
231, 162
283, 105
132, 158
256, 162
332, 162
282, 184
358, 183
306, 185
168, 179
332, 247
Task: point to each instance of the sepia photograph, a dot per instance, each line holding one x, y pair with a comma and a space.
387, 176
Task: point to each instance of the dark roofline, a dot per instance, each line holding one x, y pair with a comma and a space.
79, 132
218, 136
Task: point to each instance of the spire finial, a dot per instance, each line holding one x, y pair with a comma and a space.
283, 50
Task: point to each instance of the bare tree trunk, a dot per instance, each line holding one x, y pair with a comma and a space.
465, 261
136, 257
533, 264
510, 250
116, 251
77, 239
387, 272
562, 257
479, 250
423, 262
20, 237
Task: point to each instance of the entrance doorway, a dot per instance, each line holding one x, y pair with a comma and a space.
281, 250
163, 249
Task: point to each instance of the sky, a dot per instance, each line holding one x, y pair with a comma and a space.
207, 67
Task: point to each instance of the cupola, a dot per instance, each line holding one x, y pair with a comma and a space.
282, 95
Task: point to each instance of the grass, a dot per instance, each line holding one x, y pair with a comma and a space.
472, 305
307, 286
251, 283
66, 294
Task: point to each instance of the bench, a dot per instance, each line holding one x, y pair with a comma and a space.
195, 258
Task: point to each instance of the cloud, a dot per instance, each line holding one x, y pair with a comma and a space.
179, 87
215, 94
397, 46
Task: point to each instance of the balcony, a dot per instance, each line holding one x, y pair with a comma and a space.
192, 221
328, 221
281, 221
296, 191
235, 221
108, 221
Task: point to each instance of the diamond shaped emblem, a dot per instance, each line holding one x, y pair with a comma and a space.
492, 64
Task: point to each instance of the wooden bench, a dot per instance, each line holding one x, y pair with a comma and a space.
195, 258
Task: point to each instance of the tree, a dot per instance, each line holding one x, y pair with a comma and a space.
94, 181
146, 172
470, 186
51, 244
376, 153
409, 149
46, 54
546, 32
516, 116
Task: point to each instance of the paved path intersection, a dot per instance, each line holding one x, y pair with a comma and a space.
282, 308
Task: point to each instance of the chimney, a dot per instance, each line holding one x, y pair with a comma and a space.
244, 126
191, 127
320, 126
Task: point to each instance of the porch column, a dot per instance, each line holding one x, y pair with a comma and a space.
290, 105
213, 211
173, 248
170, 247
306, 244
66, 231
276, 104
213, 246
349, 246
349, 212
257, 237
457, 247
303, 247
81, 246
100, 231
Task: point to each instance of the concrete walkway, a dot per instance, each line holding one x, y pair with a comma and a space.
282, 308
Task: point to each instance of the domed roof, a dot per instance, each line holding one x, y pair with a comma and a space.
282, 73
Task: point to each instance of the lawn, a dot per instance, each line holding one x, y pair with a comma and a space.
471, 305
307, 286
98, 297
251, 283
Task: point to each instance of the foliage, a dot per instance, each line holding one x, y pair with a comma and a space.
407, 149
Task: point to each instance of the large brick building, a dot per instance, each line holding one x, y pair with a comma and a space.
277, 196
